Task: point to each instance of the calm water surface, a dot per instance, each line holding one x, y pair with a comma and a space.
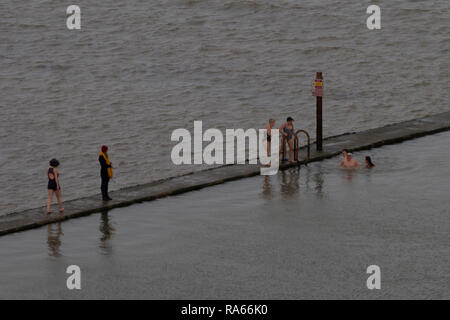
301, 234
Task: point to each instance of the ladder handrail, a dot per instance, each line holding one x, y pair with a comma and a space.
308, 146
296, 145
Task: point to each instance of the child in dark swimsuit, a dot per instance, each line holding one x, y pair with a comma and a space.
53, 185
269, 129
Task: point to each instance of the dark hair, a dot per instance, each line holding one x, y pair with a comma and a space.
369, 161
54, 163
290, 119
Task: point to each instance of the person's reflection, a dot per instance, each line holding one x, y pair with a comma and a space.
290, 182
267, 188
307, 177
349, 175
107, 231
54, 233
319, 181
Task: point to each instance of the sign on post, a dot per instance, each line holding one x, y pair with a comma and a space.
318, 88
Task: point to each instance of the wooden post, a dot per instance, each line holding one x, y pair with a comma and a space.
319, 115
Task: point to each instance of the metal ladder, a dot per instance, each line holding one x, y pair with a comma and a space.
296, 146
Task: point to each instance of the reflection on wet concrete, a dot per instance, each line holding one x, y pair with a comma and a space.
290, 185
54, 233
319, 181
267, 191
107, 232
291, 181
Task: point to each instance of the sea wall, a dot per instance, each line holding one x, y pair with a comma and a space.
332, 146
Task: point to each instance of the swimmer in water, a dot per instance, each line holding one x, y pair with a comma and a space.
350, 162
369, 163
344, 157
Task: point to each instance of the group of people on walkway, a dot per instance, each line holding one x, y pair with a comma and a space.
287, 137
106, 168
54, 186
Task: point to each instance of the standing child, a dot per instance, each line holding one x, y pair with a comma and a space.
269, 129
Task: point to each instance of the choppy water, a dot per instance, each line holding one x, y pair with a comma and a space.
301, 234
140, 69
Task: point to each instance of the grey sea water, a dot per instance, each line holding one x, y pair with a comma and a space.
140, 69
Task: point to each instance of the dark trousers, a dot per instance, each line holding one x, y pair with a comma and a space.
104, 187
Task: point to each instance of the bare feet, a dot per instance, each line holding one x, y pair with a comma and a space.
61, 210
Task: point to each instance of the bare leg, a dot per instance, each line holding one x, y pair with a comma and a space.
58, 196
283, 147
49, 201
269, 153
291, 150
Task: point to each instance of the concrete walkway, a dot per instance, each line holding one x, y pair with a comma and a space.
373, 138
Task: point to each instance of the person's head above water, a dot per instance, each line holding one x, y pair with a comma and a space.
290, 120
104, 149
349, 156
345, 152
54, 163
369, 162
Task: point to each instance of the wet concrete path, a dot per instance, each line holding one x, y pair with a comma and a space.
373, 138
